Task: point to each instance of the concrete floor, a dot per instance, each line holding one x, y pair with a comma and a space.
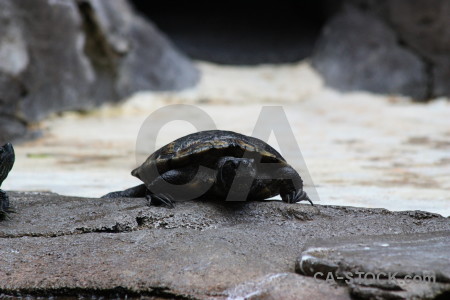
359, 149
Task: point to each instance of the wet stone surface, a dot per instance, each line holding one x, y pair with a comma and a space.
385, 266
287, 286
57, 245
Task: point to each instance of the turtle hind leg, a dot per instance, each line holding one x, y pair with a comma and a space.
138, 191
141, 191
4, 205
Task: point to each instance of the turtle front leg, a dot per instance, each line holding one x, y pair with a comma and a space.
291, 186
296, 196
178, 185
160, 200
4, 205
164, 197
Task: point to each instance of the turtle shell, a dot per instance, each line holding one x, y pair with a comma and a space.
205, 148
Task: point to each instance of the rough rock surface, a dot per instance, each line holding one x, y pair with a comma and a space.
60, 55
422, 26
357, 51
406, 42
424, 257
82, 246
287, 286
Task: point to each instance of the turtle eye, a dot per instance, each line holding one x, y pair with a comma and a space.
228, 171
231, 165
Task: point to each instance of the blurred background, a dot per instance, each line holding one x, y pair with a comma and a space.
365, 86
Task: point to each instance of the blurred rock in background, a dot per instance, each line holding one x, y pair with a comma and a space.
357, 51
58, 55
389, 47
393, 47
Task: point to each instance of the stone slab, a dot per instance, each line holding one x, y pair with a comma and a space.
407, 265
56, 245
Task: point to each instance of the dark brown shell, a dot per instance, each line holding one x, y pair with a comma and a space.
205, 147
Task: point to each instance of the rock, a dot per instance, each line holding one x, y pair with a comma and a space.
73, 55
407, 291
441, 74
398, 47
358, 51
424, 27
377, 266
287, 286
11, 125
149, 60
56, 245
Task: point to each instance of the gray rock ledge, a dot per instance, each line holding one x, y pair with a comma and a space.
403, 266
57, 245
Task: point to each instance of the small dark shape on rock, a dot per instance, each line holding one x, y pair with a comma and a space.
7, 158
215, 164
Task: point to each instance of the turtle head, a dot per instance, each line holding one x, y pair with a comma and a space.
232, 169
7, 158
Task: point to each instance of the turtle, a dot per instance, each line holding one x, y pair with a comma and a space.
7, 158
213, 164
